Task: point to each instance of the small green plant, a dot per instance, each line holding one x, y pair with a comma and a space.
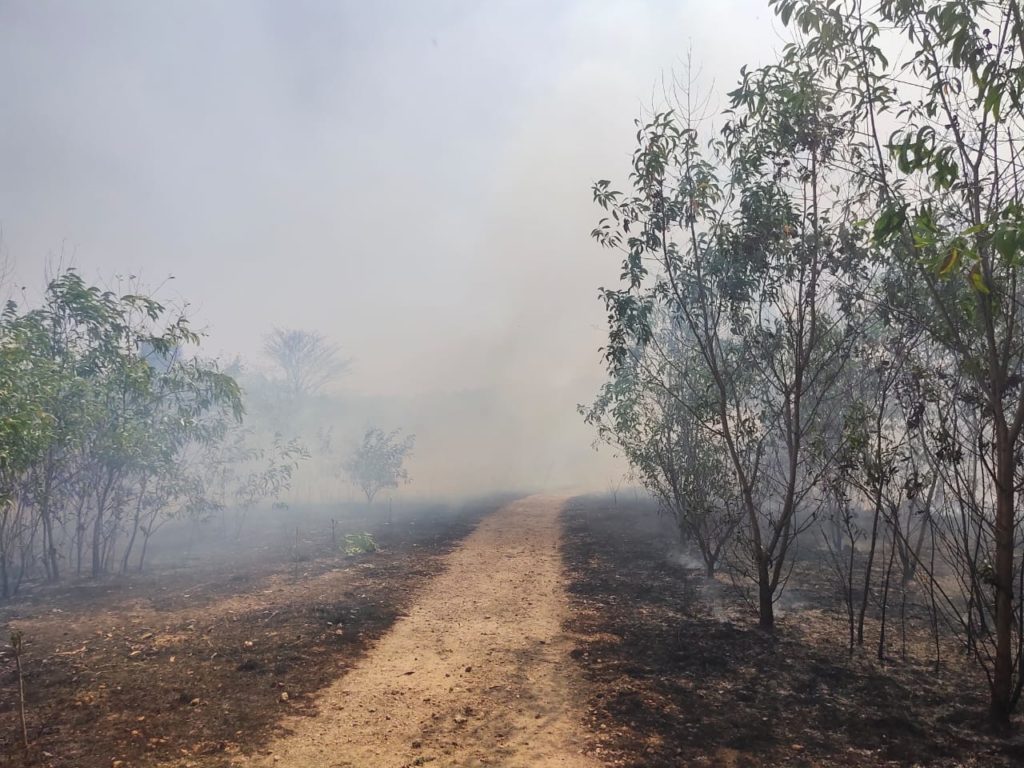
359, 544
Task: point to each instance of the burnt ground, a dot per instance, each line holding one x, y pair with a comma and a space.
193, 663
682, 675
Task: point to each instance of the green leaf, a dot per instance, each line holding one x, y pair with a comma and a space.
889, 223
992, 99
785, 13
1005, 243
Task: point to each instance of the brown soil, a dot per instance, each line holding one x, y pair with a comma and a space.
681, 675
474, 675
193, 667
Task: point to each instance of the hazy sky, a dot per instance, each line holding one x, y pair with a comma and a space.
410, 178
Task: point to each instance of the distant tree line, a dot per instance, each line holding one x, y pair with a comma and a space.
820, 326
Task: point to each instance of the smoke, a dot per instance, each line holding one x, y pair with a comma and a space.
411, 180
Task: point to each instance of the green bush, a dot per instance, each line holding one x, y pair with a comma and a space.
359, 544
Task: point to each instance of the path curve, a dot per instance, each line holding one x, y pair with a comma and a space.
477, 674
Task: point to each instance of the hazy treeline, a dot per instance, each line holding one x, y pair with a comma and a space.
820, 325
101, 414
112, 424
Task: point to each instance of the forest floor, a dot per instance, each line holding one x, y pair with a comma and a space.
531, 634
680, 674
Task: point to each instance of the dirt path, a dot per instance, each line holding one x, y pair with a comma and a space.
477, 674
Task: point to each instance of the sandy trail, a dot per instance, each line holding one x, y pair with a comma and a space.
477, 674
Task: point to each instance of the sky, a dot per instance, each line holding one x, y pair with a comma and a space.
411, 179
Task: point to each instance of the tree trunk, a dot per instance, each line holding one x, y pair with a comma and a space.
5, 588
135, 527
97, 530
50, 559
97, 542
145, 545
129, 546
885, 598
866, 593
766, 602
1002, 676
80, 533
849, 583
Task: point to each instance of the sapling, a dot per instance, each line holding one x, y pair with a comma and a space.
16, 647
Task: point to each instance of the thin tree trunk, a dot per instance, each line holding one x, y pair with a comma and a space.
849, 589
97, 530
5, 588
146, 533
46, 513
935, 606
869, 566
766, 601
1002, 674
17, 646
885, 601
135, 526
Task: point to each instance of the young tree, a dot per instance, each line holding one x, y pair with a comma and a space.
655, 412
240, 470
99, 406
26, 429
378, 462
936, 104
756, 253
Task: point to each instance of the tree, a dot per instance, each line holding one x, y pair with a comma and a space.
866, 191
947, 176
378, 462
99, 406
239, 473
755, 253
307, 360
26, 429
653, 410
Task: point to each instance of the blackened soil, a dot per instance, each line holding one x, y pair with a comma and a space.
679, 683
194, 667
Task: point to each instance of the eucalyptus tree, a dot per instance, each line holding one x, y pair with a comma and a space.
185, 402
935, 90
655, 412
100, 403
754, 248
78, 322
269, 478
151, 400
26, 429
874, 450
